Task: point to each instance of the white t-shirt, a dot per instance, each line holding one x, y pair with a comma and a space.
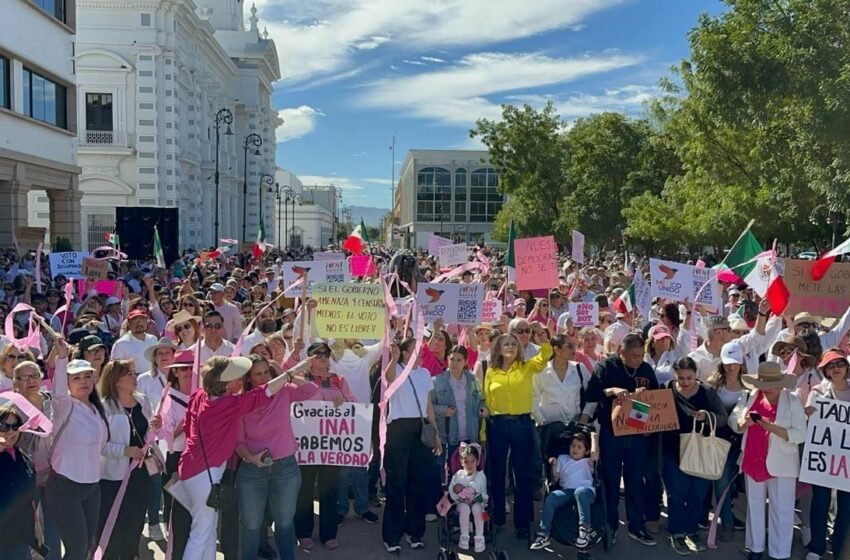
403, 403
574, 474
225, 350
356, 370
128, 347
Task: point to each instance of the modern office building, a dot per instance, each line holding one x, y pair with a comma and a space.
451, 193
39, 177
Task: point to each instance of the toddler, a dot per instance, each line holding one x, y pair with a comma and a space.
468, 489
574, 476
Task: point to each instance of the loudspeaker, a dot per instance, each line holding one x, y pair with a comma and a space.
134, 225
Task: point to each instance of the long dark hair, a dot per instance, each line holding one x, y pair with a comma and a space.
404, 346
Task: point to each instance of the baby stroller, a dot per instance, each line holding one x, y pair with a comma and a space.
555, 442
448, 526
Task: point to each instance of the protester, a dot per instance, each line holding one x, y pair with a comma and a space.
229, 312
132, 345
186, 328
9, 358
17, 489
558, 391
213, 342
774, 425
458, 403
92, 349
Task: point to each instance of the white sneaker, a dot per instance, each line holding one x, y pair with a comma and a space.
812, 556
463, 542
155, 532
479, 544
507, 507
431, 517
806, 535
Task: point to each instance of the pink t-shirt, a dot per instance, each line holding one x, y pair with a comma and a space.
754, 463
270, 427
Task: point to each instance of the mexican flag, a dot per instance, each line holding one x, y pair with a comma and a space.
765, 280
739, 260
510, 257
112, 239
626, 302
157, 249
822, 264
355, 241
260, 245
639, 415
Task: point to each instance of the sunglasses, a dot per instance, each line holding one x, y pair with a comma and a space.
213, 325
806, 325
837, 364
183, 327
16, 357
187, 304
522, 331
4, 427
544, 305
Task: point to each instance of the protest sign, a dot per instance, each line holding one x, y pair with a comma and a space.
679, 282
536, 263
455, 304
452, 255
578, 247
108, 287
435, 242
95, 269
826, 453
491, 311
403, 306
584, 314
349, 310
643, 295
709, 299
332, 435
328, 256
828, 297
68, 264
317, 271
29, 237
362, 265
662, 413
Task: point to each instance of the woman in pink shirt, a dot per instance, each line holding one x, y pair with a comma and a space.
334, 388
269, 475
211, 428
435, 354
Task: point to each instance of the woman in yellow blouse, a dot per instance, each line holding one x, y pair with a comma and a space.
508, 393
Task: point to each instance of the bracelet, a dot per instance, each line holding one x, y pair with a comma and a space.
763, 314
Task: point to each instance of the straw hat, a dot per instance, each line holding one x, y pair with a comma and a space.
162, 343
236, 369
184, 316
769, 376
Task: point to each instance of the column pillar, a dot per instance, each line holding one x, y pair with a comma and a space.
13, 210
65, 215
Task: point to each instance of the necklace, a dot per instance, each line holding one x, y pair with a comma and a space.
629, 373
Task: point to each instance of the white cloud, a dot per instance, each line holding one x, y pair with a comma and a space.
377, 181
459, 94
431, 59
414, 62
344, 183
322, 36
626, 99
297, 122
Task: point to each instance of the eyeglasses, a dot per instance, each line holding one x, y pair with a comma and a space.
837, 364
521, 331
16, 357
35, 376
213, 325
722, 329
544, 305
187, 304
183, 327
806, 325
4, 427
785, 350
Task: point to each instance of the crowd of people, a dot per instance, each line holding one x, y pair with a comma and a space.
170, 405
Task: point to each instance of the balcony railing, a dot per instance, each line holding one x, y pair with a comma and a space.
104, 138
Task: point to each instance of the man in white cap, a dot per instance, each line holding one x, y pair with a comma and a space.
228, 311
617, 332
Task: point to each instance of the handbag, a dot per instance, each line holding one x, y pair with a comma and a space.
428, 434
222, 496
703, 456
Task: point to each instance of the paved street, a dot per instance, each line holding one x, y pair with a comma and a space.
362, 541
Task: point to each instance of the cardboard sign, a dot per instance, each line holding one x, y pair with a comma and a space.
329, 256
350, 310
643, 295
455, 304
69, 264
829, 297
108, 287
362, 265
491, 311
679, 282
452, 255
584, 314
826, 453
536, 263
317, 271
662, 413
29, 237
95, 269
435, 242
578, 247
329, 435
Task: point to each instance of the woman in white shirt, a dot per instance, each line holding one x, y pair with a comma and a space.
130, 418
558, 389
81, 433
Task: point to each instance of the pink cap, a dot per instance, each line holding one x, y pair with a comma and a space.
660, 331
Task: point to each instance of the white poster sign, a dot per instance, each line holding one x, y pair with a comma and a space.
826, 454
455, 304
332, 435
451, 255
69, 264
317, 271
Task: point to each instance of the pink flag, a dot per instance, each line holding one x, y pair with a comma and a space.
32, 339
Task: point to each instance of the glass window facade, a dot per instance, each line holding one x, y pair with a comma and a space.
484, 198
471, 197
5, 98
44, 100
55, 8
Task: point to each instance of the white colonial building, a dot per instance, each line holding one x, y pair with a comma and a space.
152, 76
306, 215
38, 123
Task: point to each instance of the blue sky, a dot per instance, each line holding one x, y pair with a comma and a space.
356, 72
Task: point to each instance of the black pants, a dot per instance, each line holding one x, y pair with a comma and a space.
406, 465
176, 517
125, 537
326, 479
228, 534
76, 507
514, 434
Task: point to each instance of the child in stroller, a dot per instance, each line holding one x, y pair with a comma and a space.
468, 489
572, 473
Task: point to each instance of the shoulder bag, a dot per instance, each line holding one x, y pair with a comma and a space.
703, 456
222, 496
428, 434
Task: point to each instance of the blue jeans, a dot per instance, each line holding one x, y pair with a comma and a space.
155, 500
729, 472
583, 496
685, 498
821, 500
624, 457
358, 479
278, 485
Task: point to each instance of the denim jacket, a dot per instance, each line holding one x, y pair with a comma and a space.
443, 397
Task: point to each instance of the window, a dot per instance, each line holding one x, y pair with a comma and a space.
44, 100
485, 199
99, 118
146, 20
98, 226
434, 194
460, 195
55, 8
4, 82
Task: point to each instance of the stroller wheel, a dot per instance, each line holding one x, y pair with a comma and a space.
503, 555
493, 555
442, 555
452, 555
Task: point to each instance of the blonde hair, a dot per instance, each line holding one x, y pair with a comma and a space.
496, 359
211, 375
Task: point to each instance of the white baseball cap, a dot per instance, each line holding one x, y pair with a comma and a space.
732, 353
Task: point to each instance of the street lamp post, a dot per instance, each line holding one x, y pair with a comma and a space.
223, 116
294, 198
277, 195
269, 180
288, 193
256, 141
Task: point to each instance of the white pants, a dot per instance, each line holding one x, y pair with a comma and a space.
202, 536
463, 511
780, 523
